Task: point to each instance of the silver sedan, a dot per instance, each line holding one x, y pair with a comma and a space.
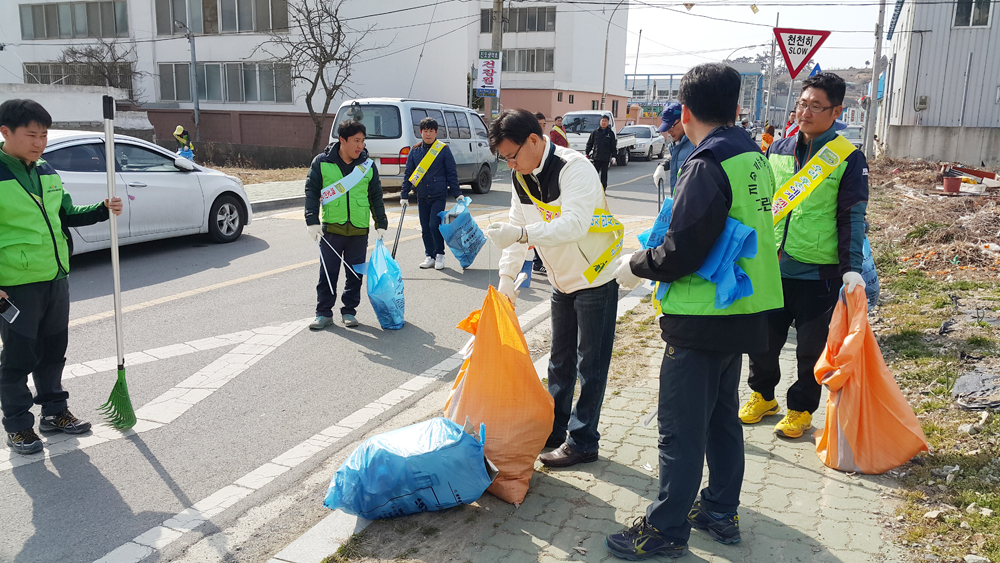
648, 142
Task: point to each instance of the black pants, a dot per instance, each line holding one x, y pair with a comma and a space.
430, 223
353, 249
35, 343
810, 304
698, 419
602, 169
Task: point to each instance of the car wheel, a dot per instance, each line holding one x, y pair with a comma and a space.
622, 159
226, 219
484, 181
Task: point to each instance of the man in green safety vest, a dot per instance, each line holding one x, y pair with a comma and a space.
343, 194
34, 264
820, 244
725, 178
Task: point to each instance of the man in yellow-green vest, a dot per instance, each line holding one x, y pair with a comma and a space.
819, 245
725, 180
34, 264
343, 194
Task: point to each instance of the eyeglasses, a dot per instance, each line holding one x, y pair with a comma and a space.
811, 108
506, 159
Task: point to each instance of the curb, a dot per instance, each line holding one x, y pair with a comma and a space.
278, 204
331, 532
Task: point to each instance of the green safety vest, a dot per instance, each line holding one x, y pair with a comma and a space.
752, 183
812, 225
353, 206
32, 244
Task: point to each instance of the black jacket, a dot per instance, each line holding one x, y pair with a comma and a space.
314, 185
441, 178
602, 144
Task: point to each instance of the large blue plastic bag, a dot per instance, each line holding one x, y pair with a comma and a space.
385, 287
428, 466
869, 274
461, 233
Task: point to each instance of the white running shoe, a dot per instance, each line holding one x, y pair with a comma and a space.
427, 263
438, 262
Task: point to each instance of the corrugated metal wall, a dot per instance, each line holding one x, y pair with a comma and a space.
939, 67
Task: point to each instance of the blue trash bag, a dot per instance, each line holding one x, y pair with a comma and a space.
185, 152
653, 236
428, 466
385, 287
869, 274
461, 233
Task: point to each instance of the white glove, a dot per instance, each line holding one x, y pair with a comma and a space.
315, 231
626, 279
504, 234
381, 233
506, 287
468, 200
852, 280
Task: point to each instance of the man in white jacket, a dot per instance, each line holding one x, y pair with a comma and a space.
555, 197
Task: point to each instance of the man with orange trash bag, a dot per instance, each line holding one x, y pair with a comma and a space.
870, 428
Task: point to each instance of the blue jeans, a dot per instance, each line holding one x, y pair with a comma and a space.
583, 335
428, 209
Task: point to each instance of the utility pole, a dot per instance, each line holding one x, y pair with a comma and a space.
770, 75
493, 104
873, 99
193, 79
604, 75
635, 69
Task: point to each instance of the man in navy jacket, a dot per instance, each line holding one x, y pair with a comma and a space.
432, 189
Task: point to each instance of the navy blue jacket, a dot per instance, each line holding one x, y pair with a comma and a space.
679, 152
439, 181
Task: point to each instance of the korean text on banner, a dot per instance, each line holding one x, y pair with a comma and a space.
488, 77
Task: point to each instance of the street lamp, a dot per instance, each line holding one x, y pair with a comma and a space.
193, 79
604, 78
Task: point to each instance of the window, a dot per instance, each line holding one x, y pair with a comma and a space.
381, 121
416, 114
640, 131
614, 108
237, 16
571, 98
230, 82
972, 13
464, 132
520, 20
527, 60
582, 122
74, 19
79, 74
559, 97
594, 104
479, 126
79, 158
209, 82
131, 158
175, 83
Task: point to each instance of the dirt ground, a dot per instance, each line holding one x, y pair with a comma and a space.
250, 175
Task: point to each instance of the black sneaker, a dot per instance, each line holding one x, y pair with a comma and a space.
24, 442
539, 269
63, 422
642, 541
723, 527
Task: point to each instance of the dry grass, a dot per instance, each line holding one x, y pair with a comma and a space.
250, 175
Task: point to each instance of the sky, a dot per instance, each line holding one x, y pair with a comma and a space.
675, 39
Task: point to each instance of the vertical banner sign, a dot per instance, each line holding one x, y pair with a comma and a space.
488, 76
798, 46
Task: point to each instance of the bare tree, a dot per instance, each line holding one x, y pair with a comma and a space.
108, 63
321, 50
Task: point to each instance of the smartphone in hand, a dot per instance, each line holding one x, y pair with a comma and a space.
7, 310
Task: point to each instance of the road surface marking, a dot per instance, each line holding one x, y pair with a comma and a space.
630, 181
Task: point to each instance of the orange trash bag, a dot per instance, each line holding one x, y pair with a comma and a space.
498, 385
870, 428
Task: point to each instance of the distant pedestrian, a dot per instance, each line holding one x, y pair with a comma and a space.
558, 134
343, 195
601, 147
432, 175
767, 138
681, 147
726, 177
35, 211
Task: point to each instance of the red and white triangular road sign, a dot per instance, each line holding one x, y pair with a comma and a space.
798, 46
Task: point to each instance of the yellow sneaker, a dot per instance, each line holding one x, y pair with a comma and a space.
794, 424
757, 408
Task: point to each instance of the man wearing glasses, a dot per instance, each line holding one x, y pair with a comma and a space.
819, 245
556, 193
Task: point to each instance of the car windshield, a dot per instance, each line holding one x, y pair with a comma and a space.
852, 133
581, 122
639, 132
381, 121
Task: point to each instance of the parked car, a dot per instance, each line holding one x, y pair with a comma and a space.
393, 126
164, 195
853, 134
648, 141
579, 125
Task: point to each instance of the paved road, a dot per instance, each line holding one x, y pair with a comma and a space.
238, 402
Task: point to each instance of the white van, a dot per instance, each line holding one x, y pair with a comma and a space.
393, 127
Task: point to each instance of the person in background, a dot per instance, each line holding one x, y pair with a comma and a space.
184, 146
767, 138
34, 268
431, 190
601, 147
338, 218
791, 126
558, 134
681, 147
